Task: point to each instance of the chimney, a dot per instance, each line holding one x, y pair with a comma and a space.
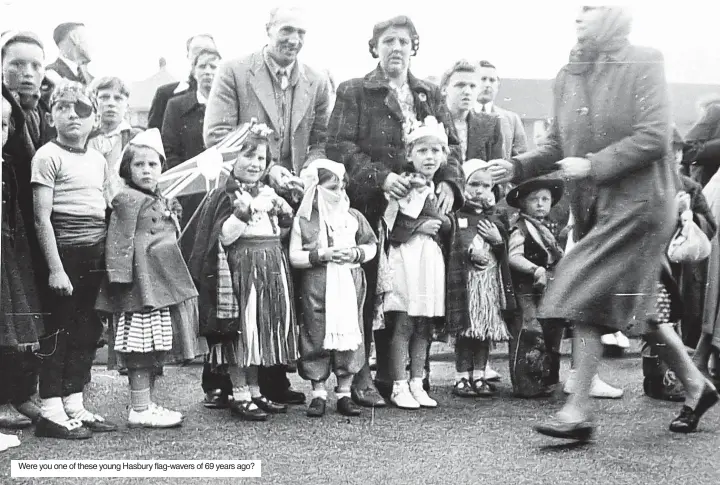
162, 62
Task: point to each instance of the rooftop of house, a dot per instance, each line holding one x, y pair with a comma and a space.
532, 98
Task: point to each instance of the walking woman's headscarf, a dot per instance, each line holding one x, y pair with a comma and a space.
611, 36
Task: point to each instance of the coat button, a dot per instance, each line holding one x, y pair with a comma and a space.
154, 219
153, 230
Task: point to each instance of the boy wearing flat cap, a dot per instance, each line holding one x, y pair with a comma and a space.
533, 253
69, 182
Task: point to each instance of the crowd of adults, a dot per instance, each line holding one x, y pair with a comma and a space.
609, 142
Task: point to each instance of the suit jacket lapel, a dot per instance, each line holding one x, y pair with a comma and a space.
478, 130
302, 98
377, 80
261, 83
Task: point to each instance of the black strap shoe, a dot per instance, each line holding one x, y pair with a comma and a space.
72, 430
347, 407
216, 399
316, 408
248, 411
268, 406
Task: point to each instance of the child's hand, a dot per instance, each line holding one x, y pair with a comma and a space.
59, 282
540, 278
489, 231
430, 227
241, 205
682, 199
341, 256
478, 258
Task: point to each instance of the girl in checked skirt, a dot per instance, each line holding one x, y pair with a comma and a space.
147, 279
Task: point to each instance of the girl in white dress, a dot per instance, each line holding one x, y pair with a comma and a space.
411, 283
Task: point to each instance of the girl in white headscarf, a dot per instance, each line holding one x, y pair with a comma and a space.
329, 242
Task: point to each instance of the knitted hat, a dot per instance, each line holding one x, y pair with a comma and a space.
11, 36
516, 195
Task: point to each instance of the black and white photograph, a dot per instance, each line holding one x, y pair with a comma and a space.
386, 242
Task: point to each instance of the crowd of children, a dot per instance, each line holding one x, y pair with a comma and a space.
265, 284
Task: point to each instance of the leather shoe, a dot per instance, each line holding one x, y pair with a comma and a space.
215, 399
246, 411
689, 418
12, 419
367, 398
287, 396
50, 429
316, 408
268, 406
579, 431
347, 407
29, 409
98, 426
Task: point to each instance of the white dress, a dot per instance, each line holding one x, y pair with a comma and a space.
418, 278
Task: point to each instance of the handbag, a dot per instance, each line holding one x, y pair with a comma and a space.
689, 244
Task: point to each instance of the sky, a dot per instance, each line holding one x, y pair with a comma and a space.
523, 39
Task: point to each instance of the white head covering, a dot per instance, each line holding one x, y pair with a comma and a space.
151, 139
472, 166
309, 177
428, 128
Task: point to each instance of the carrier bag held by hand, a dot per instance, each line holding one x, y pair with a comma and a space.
690, 244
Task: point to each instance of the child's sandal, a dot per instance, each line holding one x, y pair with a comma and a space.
463, 388
483, 388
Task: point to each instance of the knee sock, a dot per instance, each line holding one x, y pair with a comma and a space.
140, 400
53, 410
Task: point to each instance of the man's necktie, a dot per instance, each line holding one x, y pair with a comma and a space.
283, 77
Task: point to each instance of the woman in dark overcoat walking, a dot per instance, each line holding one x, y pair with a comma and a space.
366, 133
611, 139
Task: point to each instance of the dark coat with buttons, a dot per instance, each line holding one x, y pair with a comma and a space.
145, 269
182, 128
365, 133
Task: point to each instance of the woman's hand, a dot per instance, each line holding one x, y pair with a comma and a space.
430, 227
59, 283
502, 171
446, 197
490, 232
396, 186
575, 167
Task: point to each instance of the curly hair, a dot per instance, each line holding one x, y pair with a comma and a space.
399, 21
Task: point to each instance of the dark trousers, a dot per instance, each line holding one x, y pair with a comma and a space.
18, 376
72, 327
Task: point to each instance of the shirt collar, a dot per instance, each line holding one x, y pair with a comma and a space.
123, 126
74, 66
181, 87
200, 98
489, 107
274, 68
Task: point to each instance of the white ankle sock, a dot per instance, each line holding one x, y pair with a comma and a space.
52, 409
255, 391
75, 408
321, 393
461, 375
342, 394
242, 394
